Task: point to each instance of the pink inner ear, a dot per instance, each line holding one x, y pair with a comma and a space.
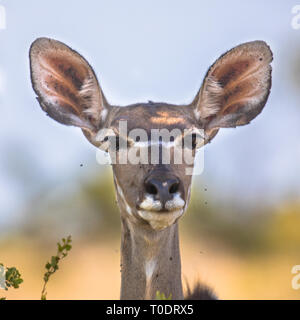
236, 87
66, 85
239, 93
69, 69
227, 73
61, 80
242, 82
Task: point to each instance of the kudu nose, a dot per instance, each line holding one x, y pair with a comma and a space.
162, 189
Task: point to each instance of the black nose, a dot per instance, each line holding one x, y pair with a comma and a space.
162, 188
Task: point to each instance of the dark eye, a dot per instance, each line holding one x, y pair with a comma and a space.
190, 141
194, 141
117, 143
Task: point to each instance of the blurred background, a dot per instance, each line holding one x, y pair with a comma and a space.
241, 234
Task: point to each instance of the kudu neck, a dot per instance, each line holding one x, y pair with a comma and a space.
150, 262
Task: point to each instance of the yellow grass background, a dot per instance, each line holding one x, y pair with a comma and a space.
91, 271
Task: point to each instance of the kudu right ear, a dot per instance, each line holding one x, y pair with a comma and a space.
66, 86
235, 89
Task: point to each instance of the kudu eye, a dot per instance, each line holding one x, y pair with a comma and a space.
190, 141
116, 143
194, 141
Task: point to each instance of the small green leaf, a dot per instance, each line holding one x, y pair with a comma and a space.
52, 266
162, 296
54, 261
48, 266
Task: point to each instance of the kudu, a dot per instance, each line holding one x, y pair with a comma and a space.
151, 197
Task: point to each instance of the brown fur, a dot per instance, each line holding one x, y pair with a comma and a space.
233, 93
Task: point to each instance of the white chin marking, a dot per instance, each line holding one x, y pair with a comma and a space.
150, 204
176, 203
159, 220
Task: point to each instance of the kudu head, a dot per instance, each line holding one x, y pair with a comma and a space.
152, 194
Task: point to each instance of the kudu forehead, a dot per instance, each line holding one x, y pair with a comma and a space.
150, 116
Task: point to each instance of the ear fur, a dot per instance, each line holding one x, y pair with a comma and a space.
66, 85
236, 87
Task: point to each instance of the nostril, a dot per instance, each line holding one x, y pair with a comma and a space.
151, 188
174, 187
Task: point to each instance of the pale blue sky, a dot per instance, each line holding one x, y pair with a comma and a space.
148, 50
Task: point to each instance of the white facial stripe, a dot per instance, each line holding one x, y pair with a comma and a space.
197, 114
128, 209
150, 204
188, 198
103, 114
189, 192
121, 195
160, 221
167, 144
120, 191
176, 203
146, 144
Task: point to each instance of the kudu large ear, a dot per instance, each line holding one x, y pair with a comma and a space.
66, 86
235, 89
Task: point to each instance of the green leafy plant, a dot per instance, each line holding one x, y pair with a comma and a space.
12, 278
162, 296
52, 266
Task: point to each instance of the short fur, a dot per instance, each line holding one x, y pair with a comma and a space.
233, 93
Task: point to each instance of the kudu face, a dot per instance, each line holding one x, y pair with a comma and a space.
151, 194
154, 192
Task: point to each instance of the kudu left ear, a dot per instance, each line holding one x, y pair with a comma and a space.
66, 86
235, 89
